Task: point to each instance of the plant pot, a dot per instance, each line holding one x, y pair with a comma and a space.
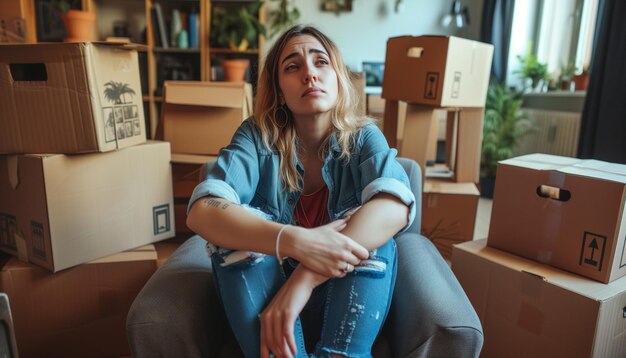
581, 82
79, 26
235, 69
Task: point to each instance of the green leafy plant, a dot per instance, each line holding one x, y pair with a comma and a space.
237, 28
285, 15
531, 68
567, 71
504, 126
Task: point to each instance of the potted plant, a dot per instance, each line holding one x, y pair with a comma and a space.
532, 69
504, 126
581, 81
567, 75
237, 29
285, 15
79, 24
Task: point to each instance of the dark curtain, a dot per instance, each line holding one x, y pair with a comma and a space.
496, 30
603, 127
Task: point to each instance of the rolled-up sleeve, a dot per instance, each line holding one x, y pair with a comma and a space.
381, 172
236, 173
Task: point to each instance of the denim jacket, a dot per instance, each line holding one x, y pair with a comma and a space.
247, 173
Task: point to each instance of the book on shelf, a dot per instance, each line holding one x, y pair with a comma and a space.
160, 26
155, 32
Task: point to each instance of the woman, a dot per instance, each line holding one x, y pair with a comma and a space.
304, 159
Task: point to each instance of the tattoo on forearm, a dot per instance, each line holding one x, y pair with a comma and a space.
215, 203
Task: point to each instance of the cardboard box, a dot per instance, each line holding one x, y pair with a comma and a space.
12, 30
441, 71
201, 117
577, 223
418, 132
69, 98
59, 211
532, 310
449, 213
80, 312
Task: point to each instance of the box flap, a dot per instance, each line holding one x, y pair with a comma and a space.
444, 187
581, 285
210, 94
583, 167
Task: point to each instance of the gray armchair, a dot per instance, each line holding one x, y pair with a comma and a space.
178, 312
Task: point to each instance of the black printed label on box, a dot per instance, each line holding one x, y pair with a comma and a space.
161, 218
592, 250
432, 83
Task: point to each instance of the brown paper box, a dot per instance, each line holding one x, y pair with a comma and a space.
448, 213
440, 71
69, 98
201, 117
528, 309
80, 312
58, 211
582, 232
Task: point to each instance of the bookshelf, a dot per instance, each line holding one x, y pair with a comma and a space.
158, 63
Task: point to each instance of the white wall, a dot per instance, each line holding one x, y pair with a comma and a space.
362, 34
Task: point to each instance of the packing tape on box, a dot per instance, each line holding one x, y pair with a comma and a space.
530, 317
12, 170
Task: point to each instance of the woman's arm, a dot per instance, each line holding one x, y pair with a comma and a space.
324, 249
377, 221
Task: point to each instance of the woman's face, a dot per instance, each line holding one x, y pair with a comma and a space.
307, 80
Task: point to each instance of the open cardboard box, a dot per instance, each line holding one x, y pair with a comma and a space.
70, 98
201, 117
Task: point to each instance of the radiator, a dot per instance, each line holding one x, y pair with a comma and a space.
552, 132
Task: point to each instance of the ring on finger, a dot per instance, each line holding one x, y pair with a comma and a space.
347, 268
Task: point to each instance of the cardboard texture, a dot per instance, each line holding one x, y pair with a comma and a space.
576, 223
532, 310
441, 71
185, 178
80, 312
69, 98
201, 117
417, 134
59, 211
449, 213
12, 30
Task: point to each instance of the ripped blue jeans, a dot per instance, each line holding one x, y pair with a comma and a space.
343, 315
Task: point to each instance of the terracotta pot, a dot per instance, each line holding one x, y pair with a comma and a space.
235, 69
79, 26
581, 81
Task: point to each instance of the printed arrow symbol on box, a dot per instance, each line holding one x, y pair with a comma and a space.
593, 245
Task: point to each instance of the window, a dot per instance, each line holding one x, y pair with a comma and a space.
557, 32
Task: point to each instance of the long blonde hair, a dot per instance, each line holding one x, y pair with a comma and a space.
275, 120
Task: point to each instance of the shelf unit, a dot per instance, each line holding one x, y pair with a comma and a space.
154, 60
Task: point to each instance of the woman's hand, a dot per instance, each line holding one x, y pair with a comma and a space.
325, 249
279, 317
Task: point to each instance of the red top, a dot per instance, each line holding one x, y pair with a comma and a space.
312, 209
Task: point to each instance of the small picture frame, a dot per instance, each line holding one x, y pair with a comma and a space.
374, 72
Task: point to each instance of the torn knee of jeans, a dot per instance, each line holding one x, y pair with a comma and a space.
231, 257
374, 266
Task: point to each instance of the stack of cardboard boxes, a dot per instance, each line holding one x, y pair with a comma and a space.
424, 76
549, 281
78, 182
